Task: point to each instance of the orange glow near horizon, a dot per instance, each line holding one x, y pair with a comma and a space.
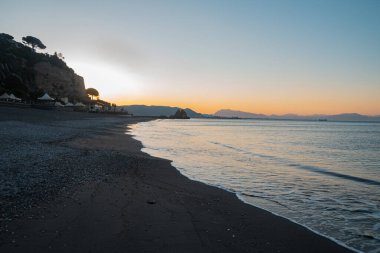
268, 107
302, 96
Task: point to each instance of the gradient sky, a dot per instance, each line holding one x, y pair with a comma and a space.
285, 56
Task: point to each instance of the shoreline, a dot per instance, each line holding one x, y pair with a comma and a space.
308, 228
266, 210
135, 202
241, 198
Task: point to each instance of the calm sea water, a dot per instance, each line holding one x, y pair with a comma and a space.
323, 175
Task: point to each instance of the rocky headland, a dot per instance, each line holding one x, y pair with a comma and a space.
28, 73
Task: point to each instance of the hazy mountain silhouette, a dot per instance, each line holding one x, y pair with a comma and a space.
352, 117
227, 113
167, 111
153, 110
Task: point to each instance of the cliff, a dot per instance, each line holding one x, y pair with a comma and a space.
59, 82
29, 74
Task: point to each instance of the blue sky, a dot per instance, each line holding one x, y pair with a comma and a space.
261, 56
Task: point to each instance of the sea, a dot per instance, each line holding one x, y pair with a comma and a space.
322, 175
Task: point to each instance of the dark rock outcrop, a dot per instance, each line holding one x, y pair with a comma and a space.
29, 74
180, 114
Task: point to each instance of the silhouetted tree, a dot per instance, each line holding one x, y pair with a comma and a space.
33, 42
59, 55
6, 36
92, 92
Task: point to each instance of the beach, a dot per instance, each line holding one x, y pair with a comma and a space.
76, 182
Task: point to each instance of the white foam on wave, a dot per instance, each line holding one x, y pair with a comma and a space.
289, 219
241, 198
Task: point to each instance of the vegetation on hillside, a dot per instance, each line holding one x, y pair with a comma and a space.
17, 61
33, 42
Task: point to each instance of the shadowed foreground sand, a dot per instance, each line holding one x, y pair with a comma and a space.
111, 197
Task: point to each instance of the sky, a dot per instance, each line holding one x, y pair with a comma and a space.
272, 57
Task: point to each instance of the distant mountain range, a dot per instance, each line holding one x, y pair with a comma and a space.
157, 111
167, 111
227, 113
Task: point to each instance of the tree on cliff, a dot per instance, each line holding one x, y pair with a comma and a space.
33, 42
6, 36
92, 92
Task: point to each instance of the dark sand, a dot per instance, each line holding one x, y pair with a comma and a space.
108, 196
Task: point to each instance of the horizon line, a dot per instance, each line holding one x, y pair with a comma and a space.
272, 114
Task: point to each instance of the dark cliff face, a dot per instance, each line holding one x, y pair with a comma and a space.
59, 82
27, 73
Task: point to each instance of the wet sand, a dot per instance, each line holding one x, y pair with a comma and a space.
75, 182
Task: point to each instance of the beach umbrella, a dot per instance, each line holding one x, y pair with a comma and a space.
5, 96
46, 97
80, 104
69, 104
58, 104
14, 97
